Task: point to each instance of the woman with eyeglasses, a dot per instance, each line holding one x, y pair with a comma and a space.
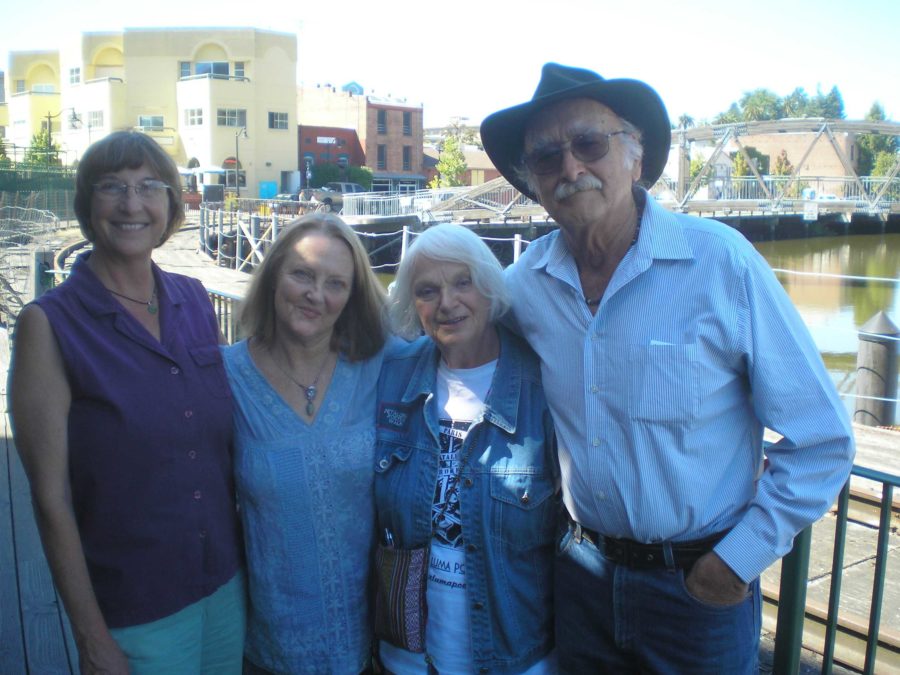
122, 416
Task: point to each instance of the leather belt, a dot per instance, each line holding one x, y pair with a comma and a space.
636, 555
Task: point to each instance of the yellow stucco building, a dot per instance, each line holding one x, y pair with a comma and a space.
212, 97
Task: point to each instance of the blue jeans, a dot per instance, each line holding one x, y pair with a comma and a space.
612, 619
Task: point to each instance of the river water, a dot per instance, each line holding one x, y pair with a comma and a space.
835, 309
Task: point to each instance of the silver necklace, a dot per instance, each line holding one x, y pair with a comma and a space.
152, 307
309, 390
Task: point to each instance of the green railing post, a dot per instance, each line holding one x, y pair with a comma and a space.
792, 605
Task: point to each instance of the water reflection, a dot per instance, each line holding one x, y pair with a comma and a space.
835, 309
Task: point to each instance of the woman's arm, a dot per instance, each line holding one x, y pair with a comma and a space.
40, 398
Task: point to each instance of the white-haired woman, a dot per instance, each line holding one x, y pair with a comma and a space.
466, 474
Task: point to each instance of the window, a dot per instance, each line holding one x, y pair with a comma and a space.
218, 69
20, 86
343, 160
278, 120
95, 119
407, 124
382, 121
231, 117
407, 158
151, 122
44, 88
193, 117
382, 157
184, 69
74, 75
239, 69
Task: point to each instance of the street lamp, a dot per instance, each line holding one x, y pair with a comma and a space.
73, 119
237, 158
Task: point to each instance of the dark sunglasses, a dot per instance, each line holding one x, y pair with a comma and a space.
587, 147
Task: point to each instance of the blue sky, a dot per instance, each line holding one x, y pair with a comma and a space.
468, 58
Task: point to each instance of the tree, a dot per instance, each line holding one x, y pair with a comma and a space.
763, 104
760, 104
451, 165
4, 158
697, 164
42, 152
833, 105
795, 104
872, 145
783, 166
740, 166
730, 116
685, 122
884, 162
331, 173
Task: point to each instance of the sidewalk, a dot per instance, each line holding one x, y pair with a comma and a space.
181, 254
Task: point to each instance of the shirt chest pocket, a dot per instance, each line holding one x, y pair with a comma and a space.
664, 383
523, 511
210, 369
401, 485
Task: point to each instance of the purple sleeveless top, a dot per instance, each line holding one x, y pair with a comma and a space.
150, 445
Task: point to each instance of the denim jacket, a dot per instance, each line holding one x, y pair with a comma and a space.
508, 494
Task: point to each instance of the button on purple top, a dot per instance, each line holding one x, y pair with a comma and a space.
136, 464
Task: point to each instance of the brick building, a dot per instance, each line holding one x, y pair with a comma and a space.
388, 132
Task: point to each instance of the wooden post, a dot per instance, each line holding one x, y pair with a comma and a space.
876, 372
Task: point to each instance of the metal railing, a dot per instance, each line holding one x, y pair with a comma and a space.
386, 204
792, 610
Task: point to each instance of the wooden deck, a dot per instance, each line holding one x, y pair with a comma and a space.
35, 636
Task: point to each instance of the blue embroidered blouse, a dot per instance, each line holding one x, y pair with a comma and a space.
306, 502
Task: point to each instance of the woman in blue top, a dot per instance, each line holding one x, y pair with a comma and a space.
465, 467
304, 389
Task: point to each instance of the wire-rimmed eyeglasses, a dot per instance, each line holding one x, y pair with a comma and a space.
586, 147
147, 190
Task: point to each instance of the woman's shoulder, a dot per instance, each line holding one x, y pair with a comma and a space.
398, 349
520, 352
190, 286
235, 353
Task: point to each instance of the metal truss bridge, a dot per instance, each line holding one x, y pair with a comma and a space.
708, 193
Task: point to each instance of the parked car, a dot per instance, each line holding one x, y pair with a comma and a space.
331, 195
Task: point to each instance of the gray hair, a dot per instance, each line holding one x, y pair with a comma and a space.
445, 243
632, 142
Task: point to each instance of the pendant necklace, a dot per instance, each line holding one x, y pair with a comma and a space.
309, 390
152, 307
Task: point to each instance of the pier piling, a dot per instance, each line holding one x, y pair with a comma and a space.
876, 372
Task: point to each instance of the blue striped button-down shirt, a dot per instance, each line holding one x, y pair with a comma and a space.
660, 399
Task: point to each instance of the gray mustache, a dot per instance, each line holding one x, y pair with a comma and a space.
584, 182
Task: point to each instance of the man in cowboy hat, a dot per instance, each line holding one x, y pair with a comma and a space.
667, 345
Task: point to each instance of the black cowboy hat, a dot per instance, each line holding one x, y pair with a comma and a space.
503, 132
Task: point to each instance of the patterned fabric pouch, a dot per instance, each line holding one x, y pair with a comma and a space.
400, 609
